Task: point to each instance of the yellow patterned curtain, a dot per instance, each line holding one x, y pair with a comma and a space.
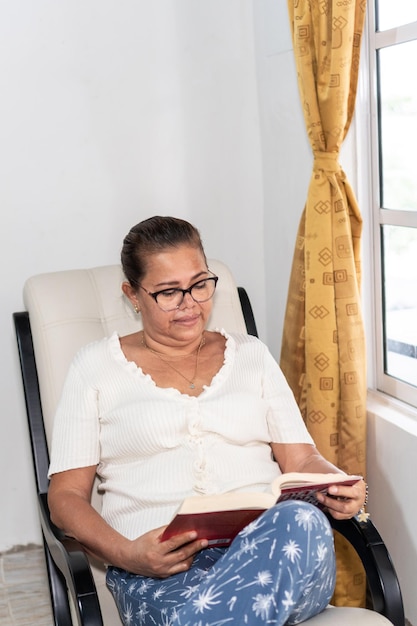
323, 347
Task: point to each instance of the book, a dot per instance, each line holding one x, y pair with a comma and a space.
219, 518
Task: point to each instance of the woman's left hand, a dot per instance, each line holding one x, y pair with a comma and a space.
344, 502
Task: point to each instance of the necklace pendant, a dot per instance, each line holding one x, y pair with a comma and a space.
192, 386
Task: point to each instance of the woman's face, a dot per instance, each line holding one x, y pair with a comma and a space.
176, 267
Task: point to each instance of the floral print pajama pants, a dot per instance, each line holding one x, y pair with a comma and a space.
280, 569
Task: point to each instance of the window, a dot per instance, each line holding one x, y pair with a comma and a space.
393, 63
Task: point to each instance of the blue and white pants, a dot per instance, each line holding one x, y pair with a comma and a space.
280, 569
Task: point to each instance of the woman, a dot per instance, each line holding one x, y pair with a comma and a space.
176, 410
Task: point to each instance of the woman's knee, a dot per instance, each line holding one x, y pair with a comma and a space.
298, 513
291, 526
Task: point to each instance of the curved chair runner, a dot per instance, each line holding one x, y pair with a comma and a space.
66, 310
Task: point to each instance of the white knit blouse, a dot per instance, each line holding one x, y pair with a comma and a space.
155, 446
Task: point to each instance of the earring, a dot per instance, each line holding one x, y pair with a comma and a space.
137, 311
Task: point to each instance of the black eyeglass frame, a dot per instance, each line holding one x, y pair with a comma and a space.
155, 294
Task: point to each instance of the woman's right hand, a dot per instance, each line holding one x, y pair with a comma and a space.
149, 556
69, 500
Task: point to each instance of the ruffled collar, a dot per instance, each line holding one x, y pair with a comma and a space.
131, 367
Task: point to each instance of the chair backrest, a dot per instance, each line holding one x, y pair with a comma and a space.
69, 309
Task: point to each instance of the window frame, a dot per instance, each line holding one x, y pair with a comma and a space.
376, 40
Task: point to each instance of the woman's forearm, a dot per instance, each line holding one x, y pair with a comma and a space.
78, 519
69, 502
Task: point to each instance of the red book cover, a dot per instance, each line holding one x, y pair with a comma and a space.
219, 518
218, 527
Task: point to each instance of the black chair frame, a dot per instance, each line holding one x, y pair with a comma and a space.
67, 564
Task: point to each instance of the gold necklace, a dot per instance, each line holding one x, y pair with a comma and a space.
191, 381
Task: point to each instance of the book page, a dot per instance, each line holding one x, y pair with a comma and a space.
294, 480
227, 502
232, 501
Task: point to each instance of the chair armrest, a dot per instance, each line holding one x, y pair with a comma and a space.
71, 561
247, 312
67, 564
382, 579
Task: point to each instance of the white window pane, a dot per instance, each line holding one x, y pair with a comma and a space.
400, 302
398, 126
392, 14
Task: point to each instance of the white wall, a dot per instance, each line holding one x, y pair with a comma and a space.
286, 154
392, 466
112, 112
116, 111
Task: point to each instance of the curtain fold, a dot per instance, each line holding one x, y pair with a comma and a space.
323, 346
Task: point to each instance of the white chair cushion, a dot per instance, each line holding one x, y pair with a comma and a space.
71, 308
348, 616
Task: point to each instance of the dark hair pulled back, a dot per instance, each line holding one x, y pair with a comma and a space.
153, 235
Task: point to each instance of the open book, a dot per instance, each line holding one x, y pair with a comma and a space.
219, 518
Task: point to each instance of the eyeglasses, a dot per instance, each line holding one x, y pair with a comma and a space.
171, 299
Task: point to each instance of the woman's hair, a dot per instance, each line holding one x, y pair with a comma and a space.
155, 234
